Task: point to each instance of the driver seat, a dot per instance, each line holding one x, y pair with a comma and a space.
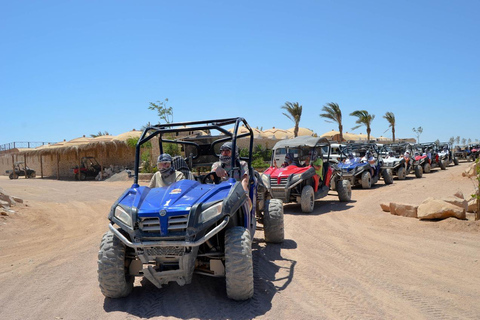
181, 165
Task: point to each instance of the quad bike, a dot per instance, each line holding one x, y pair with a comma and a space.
20, 170
427, 156
200, 225
399, 164
89, 168
301, 182
446, 155
362, 173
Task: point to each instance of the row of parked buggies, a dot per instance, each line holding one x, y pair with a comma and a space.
202, 225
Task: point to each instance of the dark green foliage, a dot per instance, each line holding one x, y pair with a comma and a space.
261, 156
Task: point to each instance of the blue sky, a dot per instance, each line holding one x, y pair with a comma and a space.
73, 68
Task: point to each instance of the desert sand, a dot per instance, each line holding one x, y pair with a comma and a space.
343, 261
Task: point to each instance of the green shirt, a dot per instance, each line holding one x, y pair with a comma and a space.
318, 163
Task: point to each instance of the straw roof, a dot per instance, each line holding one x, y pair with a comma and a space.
242, 129
362, 136
81, 140
275, 133
301, 131
382, 138
123, 137
102, 138
330, 134
350, 136
83, 143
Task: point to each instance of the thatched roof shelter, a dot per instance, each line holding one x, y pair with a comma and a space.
301, 131
276, 133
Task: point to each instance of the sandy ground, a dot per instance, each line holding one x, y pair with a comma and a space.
343, 261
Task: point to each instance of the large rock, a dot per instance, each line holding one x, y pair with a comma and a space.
470, 171
385, 206
462, 203
7, 198
459, 194
472, 205
404, 210
433, 209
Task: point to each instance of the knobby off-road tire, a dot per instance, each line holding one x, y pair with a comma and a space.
307, 199
418, 171
238, 263
344, 190
33, 175
455, 161
366, 180
273, 225
442, 164
401, 173
427, 168
113, 277
387, 176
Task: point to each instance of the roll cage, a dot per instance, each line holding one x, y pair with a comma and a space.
199, 150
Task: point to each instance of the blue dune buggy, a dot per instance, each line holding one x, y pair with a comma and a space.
198, 225
360, 172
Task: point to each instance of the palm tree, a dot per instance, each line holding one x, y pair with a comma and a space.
100, 133
333, 114
294, 113
363, 119
391, 119
418, 131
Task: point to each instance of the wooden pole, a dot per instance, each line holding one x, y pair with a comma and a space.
41, 166
58, 166
25, 166
13, 165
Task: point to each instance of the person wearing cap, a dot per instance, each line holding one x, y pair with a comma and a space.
290, 160
224, 165
370, 159
166, 174
316, 161
350, 159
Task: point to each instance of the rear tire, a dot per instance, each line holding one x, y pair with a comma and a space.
427, 168
238, 264
366, 180
344, 190
307, 199
113, 277
418, 171
273, 225
401, 174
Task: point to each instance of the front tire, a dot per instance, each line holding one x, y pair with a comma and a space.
418, 171
238, 263
113, 277
307, 199
366, 180
401, 174
344, 190
442, 164
455, 161
273, 222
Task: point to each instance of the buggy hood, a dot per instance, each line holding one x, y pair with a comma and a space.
179, 197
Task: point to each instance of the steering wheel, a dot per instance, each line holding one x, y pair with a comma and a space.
210, 178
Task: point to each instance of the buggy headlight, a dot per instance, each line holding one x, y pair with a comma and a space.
210, 212
123, 216
266, 180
